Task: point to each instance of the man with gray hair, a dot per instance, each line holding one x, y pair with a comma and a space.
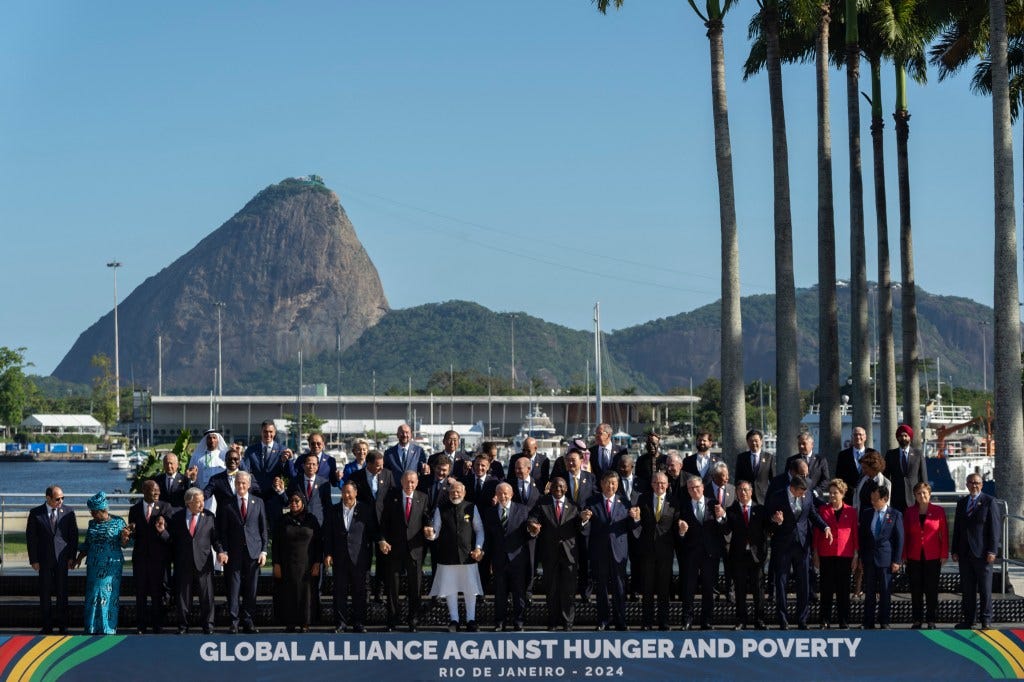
192, 532
242, 525
603, 453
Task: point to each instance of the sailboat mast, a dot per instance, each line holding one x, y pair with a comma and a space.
598, 416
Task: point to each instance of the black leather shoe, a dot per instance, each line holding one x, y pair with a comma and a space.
412, 627
140, 631
207, 631
739, 626
931, 625
916, 626
518, 627
985, 625
389, 628
471, 626
622, 628
453, 626
339, 630
688, 623
760, 625
359, 629
62, 631
46, 631
783, 626
664, 628
182, 630
601, 627
253, 630
803, 626
843, 625
962, 625
826, 626
233, 630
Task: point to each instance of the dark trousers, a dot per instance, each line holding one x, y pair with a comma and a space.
414, 586
748, 578
924, 587
53, 582
559, 582
702, 567
349, 580
785, 560
877, 581
835, 583
656, 581
189, 581
149, 592
583, 586
610, 580
975, 581
241, 577
511, 577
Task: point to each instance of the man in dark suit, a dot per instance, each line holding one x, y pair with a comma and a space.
193, 534
150, 557
350, 535
266, 460
527, 493
555, 522
718, 489
373, 485
652, 460
818, 476
402, 541
51, 534
880, 539
435, 486
603, 453
792, 514
581, 487
977, 529
701, 462
755, 466
608, 524
326, 465
480, 485
659, 533
848, 461
904, 467
406, 456
222, 486
747, 532
459, 463
243, 529
172, 484
701, 523
508, 545
796, 466
540, 465
314, 490
630, 486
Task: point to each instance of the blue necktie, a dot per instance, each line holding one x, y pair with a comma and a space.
878, 525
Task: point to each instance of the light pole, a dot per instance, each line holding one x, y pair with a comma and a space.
220, 365
513, 352
114, 264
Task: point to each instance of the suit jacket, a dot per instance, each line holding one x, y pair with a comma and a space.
846, 469
364, 493
794, 529
510, 544
193, 551
174, 494
219, 488
320, 500
588, 488
818, 476
355, 543
327, 468
932, 537
48, 546
595, 459
533, 494
706, 536
556, 544
728, 494
845, 532
243, 538
903, 482
747, 538
434, 495
405, 537
264, 468
148, 547
486, 496
540, 472
608, 534
977, 534
887, 547
415, 459
657, 538
760, 481
690, 466
637, 487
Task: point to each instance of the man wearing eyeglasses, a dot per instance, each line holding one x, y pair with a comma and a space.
52, 538
976, 533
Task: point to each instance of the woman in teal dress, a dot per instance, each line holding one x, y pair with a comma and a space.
104, 539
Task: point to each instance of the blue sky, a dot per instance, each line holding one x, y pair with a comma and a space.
529, 156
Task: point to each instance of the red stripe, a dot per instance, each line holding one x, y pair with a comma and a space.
11, 647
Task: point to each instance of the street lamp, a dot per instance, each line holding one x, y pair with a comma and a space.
220, 366
114, 264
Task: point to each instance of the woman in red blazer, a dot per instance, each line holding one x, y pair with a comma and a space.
925, 548
836, 558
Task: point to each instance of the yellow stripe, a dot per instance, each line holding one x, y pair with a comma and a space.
1006, 646
31, 660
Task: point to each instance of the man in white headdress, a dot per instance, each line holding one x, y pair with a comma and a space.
208, 461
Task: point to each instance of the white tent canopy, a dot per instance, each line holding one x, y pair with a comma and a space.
62, 423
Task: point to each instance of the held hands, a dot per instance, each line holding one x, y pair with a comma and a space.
287, 455
683, 527
990, 558
428, 532
277, 571
35, 567
532, 527
262, 560
634, 513
192, 473
895, 568
585, 515
425, 469
777, 518
385, 548
315, 571
160, 525
222, 557
328, 561
719, 511
477, 554
278, 485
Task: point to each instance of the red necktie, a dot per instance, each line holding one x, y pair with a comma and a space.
608, 507
309, 490
558, 512
244, 514
149, 510
192, 525
720, 493
746, 515
408, 509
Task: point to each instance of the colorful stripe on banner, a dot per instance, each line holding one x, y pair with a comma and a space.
993, 651
49, 657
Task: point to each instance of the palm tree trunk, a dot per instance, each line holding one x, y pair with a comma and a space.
861, 394
830, 420
1009, 416
787, 379
885, 372
908, 288
733, 397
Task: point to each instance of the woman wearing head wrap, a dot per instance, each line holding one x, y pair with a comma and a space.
104, 539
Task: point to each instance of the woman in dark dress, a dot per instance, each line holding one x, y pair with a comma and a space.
297, 552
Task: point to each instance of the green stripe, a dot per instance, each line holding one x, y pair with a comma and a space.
98, 646
56, 655
962, 647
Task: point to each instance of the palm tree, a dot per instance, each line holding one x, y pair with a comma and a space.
733, 408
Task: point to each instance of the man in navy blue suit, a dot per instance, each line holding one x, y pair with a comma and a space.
266, 460
702, 525
242, 527
327, 466
508, 545
977, 528
608, 523
314, 489
792, 515
880, 539
406, 456
350, 534
52, 538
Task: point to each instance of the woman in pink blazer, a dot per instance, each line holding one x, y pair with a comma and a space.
925, 548
836, 558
